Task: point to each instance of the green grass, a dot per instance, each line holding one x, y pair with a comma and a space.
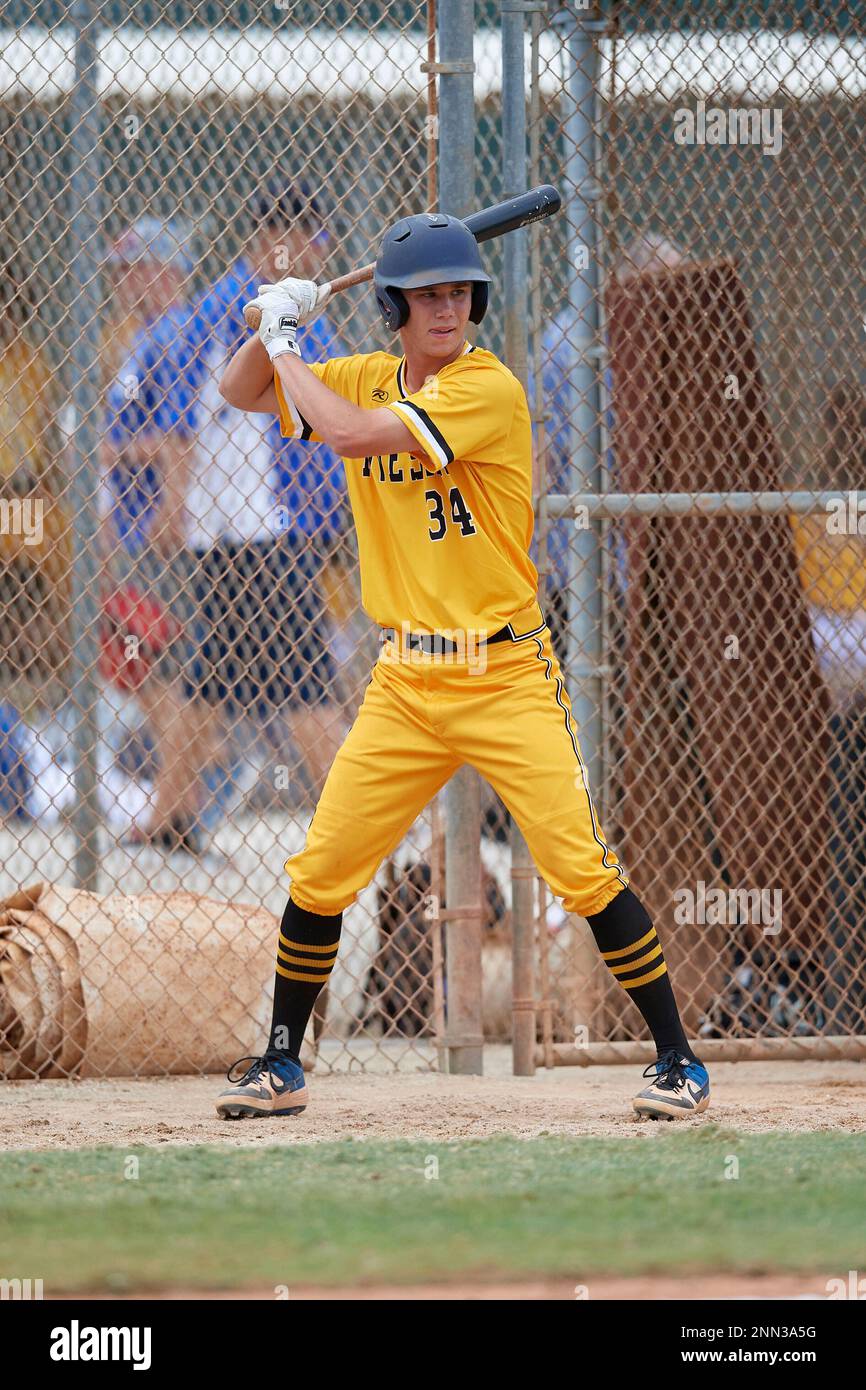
353, 1211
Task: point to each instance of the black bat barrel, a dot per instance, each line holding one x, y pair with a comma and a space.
514, 212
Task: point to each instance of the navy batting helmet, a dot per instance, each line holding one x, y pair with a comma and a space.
428, 249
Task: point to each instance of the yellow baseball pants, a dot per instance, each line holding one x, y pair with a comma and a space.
503, 709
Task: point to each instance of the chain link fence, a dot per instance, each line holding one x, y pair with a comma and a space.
700, 366
182, 645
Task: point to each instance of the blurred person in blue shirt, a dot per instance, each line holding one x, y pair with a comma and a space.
151, 401
150, 430
264, 515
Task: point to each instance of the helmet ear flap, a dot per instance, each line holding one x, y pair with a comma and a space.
393, 306
480, 296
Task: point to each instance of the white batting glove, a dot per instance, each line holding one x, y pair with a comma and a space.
309, 297
279, 322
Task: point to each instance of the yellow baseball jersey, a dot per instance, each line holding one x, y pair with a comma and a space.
443, 544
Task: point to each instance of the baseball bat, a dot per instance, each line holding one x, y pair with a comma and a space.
490, 222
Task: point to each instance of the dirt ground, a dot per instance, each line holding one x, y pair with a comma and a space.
596, 1101
747, 1096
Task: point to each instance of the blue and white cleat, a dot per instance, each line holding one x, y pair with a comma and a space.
273, 1085
679, 1088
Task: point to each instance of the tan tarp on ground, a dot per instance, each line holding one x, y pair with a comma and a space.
113, 985
724, 762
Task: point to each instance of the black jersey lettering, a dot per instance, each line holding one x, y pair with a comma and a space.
460, 514
437, 515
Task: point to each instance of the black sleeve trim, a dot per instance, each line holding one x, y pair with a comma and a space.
436, 433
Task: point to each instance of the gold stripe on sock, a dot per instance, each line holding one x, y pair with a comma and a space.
627, 950
634, 964
332, 947
645, 979
295, 975
303, 960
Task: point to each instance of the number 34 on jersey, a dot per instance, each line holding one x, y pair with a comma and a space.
441, 510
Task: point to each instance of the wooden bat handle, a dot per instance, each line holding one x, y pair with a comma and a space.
253, 316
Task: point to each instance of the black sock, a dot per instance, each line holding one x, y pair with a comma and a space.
632, 952
306, 954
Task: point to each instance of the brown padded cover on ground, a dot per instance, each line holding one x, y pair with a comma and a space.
95, 985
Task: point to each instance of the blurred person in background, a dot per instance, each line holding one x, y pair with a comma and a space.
562, 344
150, 429
28, 572
264, 516
645, 255
831, 553
831, 557
33, 566
27, 394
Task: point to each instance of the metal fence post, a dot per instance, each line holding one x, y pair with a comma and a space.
515, 283
580, 31
464, 1034
83, 327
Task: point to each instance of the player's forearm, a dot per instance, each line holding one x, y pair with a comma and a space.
341, 424
248, 375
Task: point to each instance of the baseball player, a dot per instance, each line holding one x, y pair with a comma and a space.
436, 446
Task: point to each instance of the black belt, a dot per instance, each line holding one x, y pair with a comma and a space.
435, 645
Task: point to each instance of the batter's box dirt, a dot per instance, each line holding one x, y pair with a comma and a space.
747, 1096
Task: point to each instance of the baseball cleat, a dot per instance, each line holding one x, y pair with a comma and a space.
679, 1088
273, 1085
